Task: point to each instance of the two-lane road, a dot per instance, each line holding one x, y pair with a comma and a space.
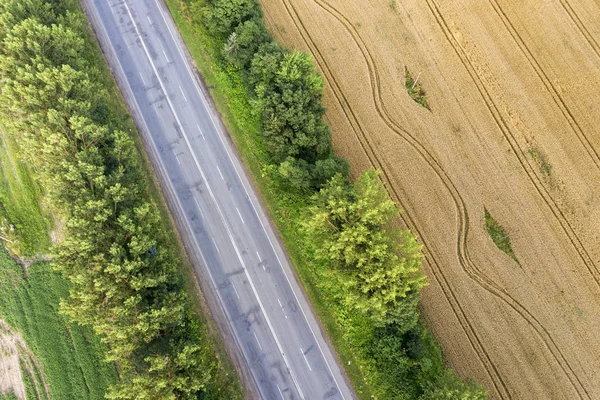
272, 324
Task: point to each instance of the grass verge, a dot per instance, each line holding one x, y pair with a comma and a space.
21, 218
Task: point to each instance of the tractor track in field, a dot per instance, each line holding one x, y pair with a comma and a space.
515, 146
462, 251
548, 85
581, 26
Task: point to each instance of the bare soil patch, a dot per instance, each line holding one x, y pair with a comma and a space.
514, 129
15, 359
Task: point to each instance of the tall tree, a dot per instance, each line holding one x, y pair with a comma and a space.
223, 16
288, 91
350, 228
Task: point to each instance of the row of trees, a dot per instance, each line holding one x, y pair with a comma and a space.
287, 93
124, 273
372, 266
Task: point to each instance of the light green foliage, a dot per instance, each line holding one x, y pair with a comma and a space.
71, 356
350, 228
450, 387
21, 219
223, 16
296, 174
288, 93
125, 281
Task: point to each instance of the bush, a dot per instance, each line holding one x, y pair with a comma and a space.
223, 16
288, 91
244, 42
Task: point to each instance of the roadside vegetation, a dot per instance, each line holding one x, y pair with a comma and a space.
499, 236
70, 356
360, 272
23, 229
125, 276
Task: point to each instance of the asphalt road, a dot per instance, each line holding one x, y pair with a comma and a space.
271, 322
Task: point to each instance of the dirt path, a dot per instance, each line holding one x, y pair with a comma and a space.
15, 358
514, 129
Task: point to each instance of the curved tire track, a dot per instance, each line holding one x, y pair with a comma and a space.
525, 162
457, 308
468, 266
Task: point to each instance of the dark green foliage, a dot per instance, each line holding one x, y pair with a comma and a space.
244, 41
124, 272
327, 168
450, 387
71, 356
288, 92
499, 236
304, 178
223, 16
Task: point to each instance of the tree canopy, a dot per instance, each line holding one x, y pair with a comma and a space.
288, 93
125, 281
350, 228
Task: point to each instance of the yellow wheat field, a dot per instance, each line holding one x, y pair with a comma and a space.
514, 128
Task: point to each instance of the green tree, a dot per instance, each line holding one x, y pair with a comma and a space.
244, 42
178, 375
124, 275
350, 227
288, 91
327, 168
221, 17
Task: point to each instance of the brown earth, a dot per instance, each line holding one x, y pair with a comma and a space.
510, 83
15, 359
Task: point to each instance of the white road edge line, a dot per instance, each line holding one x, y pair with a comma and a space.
235, 290
162, 167
183, 94
280, 392
211, 192
247, 194
238, 211
200, 130
305, 359
145, 45
199, 208
256, 337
